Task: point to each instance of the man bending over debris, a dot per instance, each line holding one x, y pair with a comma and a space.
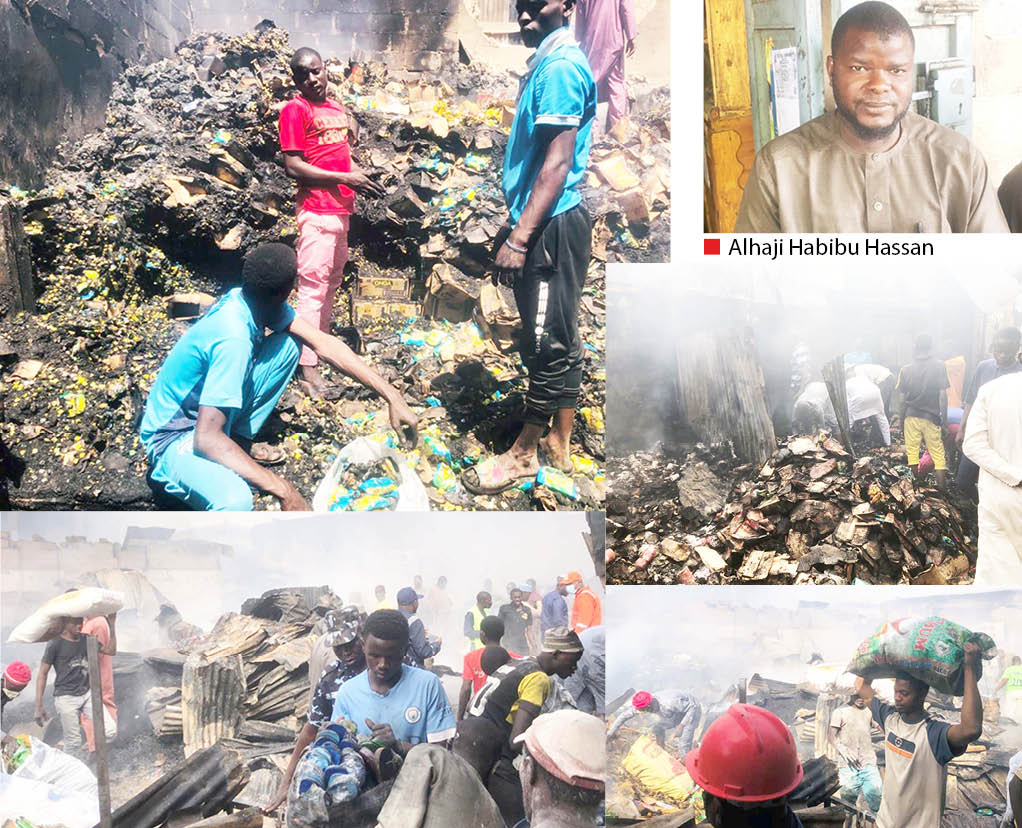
316, 134
919, 747
397, 705
345, 640
814, 409
221, 381
510, 700
543, 248
674, 709
849, 734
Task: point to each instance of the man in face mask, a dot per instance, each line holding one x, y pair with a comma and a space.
16, 677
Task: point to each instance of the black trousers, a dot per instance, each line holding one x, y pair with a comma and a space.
548, 293
505, 787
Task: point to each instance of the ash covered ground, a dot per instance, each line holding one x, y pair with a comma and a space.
185, 178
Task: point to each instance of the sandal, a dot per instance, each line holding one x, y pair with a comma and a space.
546, 459
489, 478
266, 455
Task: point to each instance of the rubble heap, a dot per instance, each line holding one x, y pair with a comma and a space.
810, 514
245, 685
143, 222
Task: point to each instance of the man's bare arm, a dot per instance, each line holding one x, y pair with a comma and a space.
464, 697
302, 171
970, 728
40, 686
111, 647
214, 444
524, 715
338, 354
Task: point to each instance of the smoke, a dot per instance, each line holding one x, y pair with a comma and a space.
704, 639
778, 308
349, 554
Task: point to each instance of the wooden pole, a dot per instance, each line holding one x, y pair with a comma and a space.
99, 732
743, 684
834, 377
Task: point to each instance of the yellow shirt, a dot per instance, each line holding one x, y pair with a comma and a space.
534, 688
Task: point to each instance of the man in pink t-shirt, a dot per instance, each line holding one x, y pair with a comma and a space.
105, 630
491, 630
316, 134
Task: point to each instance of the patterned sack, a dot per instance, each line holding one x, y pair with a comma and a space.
929, 649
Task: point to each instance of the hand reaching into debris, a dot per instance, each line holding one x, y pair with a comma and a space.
277, 801
41, 717
404, 422
291, 499
630, 48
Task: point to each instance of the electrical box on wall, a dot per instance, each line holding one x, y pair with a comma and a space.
951, 84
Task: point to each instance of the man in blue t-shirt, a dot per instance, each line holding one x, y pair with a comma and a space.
222, 379
391, 702
543, 249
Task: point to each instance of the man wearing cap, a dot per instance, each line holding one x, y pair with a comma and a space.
16, 677
564, 762
586, 685
747, 765
472, 674
421, 646
511, 699
344, 640
555, 608
323, 656
586, 611
474, 617
674, 709
391, 702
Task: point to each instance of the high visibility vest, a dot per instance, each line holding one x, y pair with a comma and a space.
477, 619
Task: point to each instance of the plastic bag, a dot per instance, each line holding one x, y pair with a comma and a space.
44, 623
47, 764
929, 649
411, 494
658, 771
44, 804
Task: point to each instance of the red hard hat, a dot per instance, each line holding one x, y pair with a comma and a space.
641, 699
747, 755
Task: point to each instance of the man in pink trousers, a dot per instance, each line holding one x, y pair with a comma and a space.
316, 133
605, 30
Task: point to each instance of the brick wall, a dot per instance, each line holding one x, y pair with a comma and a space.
411, 34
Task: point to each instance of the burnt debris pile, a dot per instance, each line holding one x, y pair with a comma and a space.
143, 223
810, 514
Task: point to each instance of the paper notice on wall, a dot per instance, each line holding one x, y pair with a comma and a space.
784, 66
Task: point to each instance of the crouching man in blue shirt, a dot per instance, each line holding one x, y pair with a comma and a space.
221, 381
543, 249
397, 705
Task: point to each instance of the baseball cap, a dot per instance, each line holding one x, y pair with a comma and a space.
406, 595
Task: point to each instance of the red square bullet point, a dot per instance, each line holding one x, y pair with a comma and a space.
711, 247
